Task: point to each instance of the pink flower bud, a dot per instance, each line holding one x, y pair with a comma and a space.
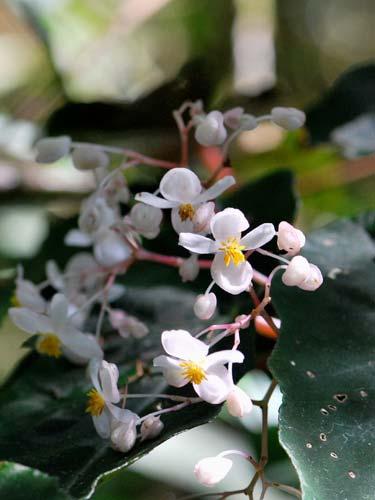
313, 281
205, 305
211, 470
189, 269
123, 436
290, 238
239, 403
151, 428
297, 271
210, 130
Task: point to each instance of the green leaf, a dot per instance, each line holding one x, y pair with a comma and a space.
42, 405
18, 482
324, 361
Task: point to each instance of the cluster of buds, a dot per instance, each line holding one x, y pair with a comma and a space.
112, 224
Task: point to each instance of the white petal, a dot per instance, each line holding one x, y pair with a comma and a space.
233, 279
27, 320
122, 415
54, 275
222, 357
211, 470
103, 424
297, 271
108, 374
85, 346
110, 249
180, 226
230, 222
239, 403
182, 345
28, 296
314, 280
196, 243
216, 386
181, 185
258, 236
216, 190
172, 370
93, 371
76, 238
154, 201
59, 312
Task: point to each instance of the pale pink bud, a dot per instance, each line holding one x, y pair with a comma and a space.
151, 428
239, 403
203, 216
189, 269
290, 238
314, 280
297, 271
146, 220
51, 149
210, 130
288, 118
89, 158
232, 117
123, 436
205, 305
211, 470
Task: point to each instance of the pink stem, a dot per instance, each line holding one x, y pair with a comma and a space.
148, 160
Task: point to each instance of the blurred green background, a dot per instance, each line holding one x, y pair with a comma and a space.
111, 71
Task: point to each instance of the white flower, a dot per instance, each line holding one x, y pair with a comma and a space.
95, 214
124, 434
302, 274
290, 238
57, 333
229, 269
189, 269
211, 470
89, 158
146, 220
103, 397
205, 305
51, 149
189, 361
288, 118
27, 294
182, 191
238, 402
210, 130
127, 325
151, 428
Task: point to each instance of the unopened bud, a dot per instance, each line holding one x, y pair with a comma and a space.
203, 216
290, 238
297, 271
210, 130
123, 436
232, 117
205, 305
89, 158
239, 403
313, 281
146, 220
211, 470
288, 118
189, 269
110, 248
151, 428
51, 149
248, 122
94, 214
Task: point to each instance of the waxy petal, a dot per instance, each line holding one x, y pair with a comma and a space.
182, 345
233, 279
155, 201
109, 374
216, 190
197, 243
258, 236
76, 238
30, 321
180, 185
216, 386
172, 370
103, 424
59, 312
228, 223
222, 357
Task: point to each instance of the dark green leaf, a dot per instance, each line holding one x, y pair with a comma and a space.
325, 364
42, 405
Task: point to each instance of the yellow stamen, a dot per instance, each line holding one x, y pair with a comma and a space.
14, 301
232, 251
96, 403
193, 372
186, 211
50, 345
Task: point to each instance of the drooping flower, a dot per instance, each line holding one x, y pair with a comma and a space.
151, 428
102, 401
189, 361
182, 191
205, 305
211, 470
229, 269
290, 238
210, 130
57, 334
238, 402
300, 272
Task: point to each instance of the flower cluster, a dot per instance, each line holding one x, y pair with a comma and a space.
113, 223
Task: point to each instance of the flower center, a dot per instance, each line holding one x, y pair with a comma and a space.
186, 211
193, 372
50, 345
96, 403
232, 251
14, 301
